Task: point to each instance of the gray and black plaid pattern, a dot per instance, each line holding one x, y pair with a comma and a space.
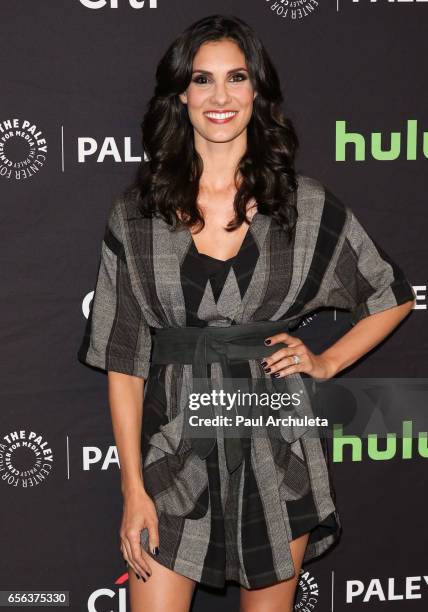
215, 526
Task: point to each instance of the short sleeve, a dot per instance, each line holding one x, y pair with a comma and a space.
116, 336
365, 279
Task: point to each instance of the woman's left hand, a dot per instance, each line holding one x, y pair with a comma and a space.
282, 363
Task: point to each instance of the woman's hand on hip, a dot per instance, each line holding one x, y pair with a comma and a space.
283, 361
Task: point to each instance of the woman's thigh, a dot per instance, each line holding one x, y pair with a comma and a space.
280, 596
164, 591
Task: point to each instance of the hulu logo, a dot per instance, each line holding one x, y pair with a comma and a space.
379, 448
380, 146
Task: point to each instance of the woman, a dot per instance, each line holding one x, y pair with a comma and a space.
218, 245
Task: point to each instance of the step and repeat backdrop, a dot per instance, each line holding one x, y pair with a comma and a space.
76, 76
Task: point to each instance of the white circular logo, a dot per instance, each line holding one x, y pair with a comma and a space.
26, 459
294, 10
23, 149
307, 595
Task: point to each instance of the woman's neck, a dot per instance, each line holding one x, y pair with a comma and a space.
220, 160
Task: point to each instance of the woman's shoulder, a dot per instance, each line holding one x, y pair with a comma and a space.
308, 185
123, 210
313, 195
127, 206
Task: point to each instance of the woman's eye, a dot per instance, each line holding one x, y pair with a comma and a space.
203, 80
241, 76
198, 79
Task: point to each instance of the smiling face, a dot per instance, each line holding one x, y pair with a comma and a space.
220, 95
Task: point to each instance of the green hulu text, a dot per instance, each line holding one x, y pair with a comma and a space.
353, 146
377, 447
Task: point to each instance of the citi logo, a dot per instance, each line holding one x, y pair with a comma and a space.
382, 147
362, 448
107, 596
135, 4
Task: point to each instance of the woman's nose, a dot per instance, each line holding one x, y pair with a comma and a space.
220, 94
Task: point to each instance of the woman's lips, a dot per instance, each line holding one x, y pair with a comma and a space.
221, 117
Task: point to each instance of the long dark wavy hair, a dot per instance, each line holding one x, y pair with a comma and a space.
169, 181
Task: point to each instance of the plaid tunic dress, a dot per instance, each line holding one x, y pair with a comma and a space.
215, 525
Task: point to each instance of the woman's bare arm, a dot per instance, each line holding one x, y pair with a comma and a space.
126, 406
364, 335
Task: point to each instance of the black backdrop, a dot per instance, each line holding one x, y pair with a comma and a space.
75, 79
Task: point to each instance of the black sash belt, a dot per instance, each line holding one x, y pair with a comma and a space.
199, 346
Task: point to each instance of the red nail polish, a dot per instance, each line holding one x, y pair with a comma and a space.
268, 341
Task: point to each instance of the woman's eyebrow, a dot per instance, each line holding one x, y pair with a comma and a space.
228, 72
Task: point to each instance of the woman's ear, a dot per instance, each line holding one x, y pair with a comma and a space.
183, 97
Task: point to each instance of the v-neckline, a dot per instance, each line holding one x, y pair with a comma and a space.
179, 244
240, 249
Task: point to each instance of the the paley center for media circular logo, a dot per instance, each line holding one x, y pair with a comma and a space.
307, 593
23, 149
292, 10
26, 458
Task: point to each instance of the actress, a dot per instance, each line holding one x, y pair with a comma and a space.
208, 259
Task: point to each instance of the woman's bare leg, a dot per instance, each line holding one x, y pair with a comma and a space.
163, 591
280, 596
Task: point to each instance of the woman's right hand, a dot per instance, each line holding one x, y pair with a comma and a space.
139, 512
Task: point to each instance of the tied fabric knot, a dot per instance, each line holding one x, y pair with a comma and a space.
204, 445
198, 347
